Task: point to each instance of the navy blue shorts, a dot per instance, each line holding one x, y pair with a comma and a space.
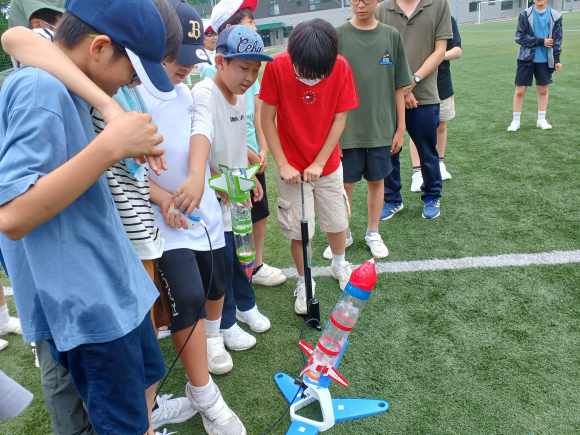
112, 377
372, 163
528, 69
260, 209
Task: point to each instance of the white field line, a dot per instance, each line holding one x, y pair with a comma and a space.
506, 260
555, 257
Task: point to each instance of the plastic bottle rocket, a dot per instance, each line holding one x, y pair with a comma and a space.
237, 183
324, 356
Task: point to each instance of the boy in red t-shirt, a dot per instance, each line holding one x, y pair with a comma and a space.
311, 88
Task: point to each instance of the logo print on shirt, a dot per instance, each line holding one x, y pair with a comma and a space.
309, 97
236, 118
386, 59
190, 110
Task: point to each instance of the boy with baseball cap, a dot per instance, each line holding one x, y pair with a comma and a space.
219, 121
93, 305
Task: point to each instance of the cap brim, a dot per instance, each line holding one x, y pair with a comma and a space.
192, 55
153, 77
249, 56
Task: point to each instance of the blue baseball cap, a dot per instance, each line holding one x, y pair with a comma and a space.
137, 26
192, 51
241, 42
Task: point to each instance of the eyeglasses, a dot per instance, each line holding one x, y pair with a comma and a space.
122, 50
211, 35
356, 2
52, 26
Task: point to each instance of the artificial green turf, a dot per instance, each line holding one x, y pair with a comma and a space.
489, 351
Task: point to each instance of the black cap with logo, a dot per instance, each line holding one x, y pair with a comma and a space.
192, 51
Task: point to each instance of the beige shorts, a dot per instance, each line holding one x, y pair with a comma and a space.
447, 109
327, 194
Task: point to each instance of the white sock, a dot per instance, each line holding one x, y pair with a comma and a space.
203, 396
541, 115
517, 116
301, 280
4, 315
212, 327
337, 259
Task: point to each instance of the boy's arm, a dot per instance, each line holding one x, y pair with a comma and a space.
399, 137
288, 173
128, 135
454, 53
522, 36
188, 195
260, 135
557, 35
431, 63
163, 199
312, 173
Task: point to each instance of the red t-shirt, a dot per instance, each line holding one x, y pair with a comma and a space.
305, 112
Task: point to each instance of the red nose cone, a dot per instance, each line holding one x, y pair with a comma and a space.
365, 276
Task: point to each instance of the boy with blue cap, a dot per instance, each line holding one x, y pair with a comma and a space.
93, 303
219, 127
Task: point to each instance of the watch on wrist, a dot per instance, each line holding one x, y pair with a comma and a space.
416, 78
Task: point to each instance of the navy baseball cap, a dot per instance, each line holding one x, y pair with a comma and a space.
241, 42
192, 50
137, 26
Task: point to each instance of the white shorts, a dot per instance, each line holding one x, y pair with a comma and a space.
447, 109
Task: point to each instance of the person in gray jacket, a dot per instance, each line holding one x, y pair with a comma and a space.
539, 34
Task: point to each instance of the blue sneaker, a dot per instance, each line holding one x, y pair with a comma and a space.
390, 208
431, 209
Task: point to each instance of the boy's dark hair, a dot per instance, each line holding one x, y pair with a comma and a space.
71, 31
49, 16
237, 18
173, 29
313, 48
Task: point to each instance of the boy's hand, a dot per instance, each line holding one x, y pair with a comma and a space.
558, 67
289, 174
409, 88
253, 158
263, 161
410, 101
174, 220
313, 172
548, 42
132, 135
188, 195
258, 191
156, 164
398, 141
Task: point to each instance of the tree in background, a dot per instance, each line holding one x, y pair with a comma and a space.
5, 61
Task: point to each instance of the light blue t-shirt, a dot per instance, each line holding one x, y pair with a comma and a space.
76, 277
210, 71
541, 30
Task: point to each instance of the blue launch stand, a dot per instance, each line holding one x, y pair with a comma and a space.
333, 410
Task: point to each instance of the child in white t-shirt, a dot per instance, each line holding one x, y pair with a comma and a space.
220, 122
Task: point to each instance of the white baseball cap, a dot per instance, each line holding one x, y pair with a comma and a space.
225, 9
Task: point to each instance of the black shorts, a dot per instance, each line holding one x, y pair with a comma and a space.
185, 274
260, 209
528, 69
372, 163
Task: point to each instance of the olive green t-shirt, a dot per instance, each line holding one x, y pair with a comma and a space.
378, 61
21, 10
430, 22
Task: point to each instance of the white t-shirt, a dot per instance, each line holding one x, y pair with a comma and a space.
174, 119
225, 127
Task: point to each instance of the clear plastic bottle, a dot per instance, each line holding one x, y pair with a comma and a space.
242, 226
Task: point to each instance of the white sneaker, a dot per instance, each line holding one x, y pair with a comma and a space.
235, 338
377, 246
219, 361
254, 319
300, 306
416, 181
171, 411
445, 175
163, 333
543, 124
268, 276
165, 432
3, 344
11, 327
328, 252
341, 272
218, 418
514, 126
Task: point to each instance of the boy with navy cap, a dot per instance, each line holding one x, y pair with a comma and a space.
80, 284
219, 124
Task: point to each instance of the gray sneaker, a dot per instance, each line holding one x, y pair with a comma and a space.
218, 418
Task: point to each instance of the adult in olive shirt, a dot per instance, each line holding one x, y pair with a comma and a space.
425, 26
